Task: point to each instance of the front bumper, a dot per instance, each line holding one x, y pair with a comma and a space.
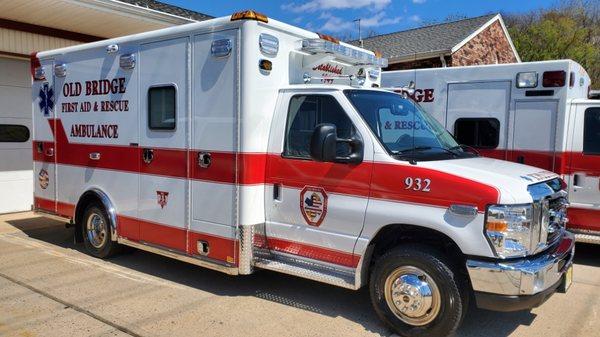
521, 283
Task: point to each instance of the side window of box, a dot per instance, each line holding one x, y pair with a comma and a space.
10, 133
162, 107
305, 112
478, 132
591, 131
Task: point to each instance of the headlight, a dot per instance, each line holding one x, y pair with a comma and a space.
510, 229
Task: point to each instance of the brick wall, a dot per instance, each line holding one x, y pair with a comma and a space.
491, 46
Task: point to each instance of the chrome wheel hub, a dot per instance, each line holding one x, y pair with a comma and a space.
412, 295
96, 230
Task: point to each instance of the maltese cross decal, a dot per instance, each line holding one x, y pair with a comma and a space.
46, 96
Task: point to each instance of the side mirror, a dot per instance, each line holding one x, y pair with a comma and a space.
324, 145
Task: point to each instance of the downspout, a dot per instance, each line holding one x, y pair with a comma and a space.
443, 60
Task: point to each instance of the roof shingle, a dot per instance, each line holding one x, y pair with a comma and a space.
429, 39
170, 9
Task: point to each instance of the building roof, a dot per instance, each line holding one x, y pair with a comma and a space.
427, 41
170, 9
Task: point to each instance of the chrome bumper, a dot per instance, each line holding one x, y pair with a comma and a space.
525, 276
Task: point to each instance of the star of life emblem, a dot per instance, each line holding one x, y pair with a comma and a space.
46, 96
161, 197
313, 205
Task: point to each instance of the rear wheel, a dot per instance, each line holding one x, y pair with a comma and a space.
97, 232
416, 292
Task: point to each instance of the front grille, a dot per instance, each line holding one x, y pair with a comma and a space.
557, 218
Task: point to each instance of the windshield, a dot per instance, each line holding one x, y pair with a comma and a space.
403, 127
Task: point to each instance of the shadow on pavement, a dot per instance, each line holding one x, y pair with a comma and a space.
292, 291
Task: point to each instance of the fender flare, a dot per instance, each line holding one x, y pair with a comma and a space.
99, 195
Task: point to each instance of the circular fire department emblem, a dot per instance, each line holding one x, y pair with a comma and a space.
313, 205
44, 179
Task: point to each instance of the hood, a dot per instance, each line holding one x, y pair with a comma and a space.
511, 179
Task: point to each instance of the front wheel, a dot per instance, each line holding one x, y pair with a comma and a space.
97, 233
416, 292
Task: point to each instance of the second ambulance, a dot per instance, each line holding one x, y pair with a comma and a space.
243, 143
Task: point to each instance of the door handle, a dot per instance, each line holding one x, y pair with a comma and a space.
50, 152
148, 155
95, 156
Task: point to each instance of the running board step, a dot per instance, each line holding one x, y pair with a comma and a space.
296, 266
587, 238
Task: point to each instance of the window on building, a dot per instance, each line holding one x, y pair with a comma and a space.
304, 114
10, 133
161, 108
591, 131
478, 132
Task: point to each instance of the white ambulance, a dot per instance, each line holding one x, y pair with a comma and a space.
536, 113
243, 143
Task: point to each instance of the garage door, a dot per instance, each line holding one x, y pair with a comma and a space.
16, 177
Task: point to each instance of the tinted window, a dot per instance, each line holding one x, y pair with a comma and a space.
161, 108
13, 133
304, 114
477, 132
591, 131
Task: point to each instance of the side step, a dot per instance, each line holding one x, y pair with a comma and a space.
587, 238
305, 268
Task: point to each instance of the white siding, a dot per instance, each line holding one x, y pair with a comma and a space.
18, 42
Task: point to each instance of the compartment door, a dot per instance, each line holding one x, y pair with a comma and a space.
163, 133
535, 148
213, 152
477, 115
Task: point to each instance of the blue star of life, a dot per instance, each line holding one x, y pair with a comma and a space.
46, 99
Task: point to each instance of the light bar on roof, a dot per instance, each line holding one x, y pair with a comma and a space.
350, 55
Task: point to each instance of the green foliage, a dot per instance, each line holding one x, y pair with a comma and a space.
568, 31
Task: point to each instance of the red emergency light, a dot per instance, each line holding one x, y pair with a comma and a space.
37, 72
554, 78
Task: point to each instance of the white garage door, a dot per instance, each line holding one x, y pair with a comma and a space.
16, 177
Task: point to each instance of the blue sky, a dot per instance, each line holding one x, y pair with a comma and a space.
381, 16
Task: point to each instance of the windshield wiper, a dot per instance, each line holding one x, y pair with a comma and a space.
466, 147
423, 148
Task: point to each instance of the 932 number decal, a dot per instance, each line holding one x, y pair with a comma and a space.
417, 184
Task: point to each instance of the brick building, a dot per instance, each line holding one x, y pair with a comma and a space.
473, 41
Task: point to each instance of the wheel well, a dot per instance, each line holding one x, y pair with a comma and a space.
86, 199
396, 234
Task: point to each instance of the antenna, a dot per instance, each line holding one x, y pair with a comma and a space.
359, 35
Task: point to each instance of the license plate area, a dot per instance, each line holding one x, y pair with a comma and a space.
567, 280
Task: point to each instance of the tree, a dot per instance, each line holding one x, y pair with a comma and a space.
570, 30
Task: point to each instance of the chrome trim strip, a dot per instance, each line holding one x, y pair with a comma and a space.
246, 250
199, 261
523, 276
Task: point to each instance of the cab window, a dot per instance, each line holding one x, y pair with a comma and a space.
591, 131
305, 112
478, 132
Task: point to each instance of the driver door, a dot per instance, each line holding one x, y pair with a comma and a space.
315, 210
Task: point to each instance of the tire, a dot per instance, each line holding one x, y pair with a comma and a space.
409, 272
96, 232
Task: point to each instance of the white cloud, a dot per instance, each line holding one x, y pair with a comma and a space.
415, 18
316, 5
419, 1
336, 24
